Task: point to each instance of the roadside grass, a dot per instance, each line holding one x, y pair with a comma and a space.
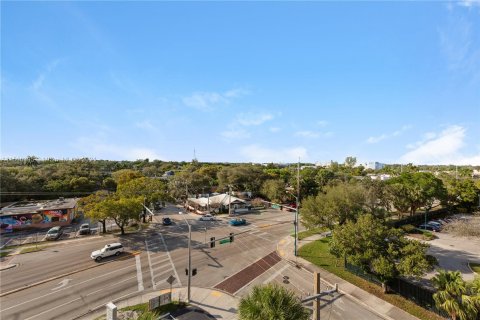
318, 253
31, 249
308, 233
142, 309
475, 267
4, 253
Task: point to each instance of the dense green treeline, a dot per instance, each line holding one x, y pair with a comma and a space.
49, 178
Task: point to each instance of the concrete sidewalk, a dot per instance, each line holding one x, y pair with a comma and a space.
285, 249
219, 304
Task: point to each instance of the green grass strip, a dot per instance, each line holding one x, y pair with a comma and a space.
318, 253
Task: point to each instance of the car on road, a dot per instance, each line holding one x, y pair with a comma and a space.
237, 222
113, 249
54, 233
207, 217
429, 227
435, 223
84, 229
166, 221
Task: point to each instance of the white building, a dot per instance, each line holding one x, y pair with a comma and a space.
374, 165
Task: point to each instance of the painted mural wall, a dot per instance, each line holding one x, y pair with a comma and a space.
42, 219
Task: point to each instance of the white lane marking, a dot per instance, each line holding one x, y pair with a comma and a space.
139, 273
171, 261
276, 274
74, 285
162, 267
156, 259
59, 306
150, 266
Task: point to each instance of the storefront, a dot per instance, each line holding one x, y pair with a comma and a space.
37, 214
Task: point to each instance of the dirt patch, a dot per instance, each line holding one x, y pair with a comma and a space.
469, 227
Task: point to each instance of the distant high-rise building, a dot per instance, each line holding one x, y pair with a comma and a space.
374, 165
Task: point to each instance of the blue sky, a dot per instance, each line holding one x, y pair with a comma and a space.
394, 82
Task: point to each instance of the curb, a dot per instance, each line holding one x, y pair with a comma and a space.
304, 265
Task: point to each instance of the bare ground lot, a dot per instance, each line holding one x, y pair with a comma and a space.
455, 252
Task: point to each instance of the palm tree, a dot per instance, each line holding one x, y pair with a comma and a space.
452, 295
271, 302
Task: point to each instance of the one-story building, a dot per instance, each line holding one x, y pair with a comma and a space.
37, 214
217, 203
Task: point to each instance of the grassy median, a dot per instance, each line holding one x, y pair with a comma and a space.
319, 254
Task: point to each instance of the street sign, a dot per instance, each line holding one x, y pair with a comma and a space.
170, 279
165, 298
224, 241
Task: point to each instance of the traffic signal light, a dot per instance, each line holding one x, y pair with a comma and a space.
212, 242
231, 236
194, 272
186, 271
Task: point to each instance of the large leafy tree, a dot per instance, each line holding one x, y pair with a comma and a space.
149, 189
339, 204
274, 189
414, 190
462, 192
91, 206
125, 175
453, 296
242, 178
379, 249
271, 302
121, 210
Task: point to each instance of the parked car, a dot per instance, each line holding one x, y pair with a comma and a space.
237, 222
166, 221
435, 223
54, 233
84, 229
429, 227
207, 217
113, 249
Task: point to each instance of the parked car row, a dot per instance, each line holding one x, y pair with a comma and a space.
435, 225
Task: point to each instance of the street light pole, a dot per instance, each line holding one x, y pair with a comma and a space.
189, 259
189, 262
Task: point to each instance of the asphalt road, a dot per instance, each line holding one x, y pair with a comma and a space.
151, 257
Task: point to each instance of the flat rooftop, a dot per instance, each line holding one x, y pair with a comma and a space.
33, 206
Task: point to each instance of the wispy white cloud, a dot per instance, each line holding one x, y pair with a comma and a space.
322, 123
253, 119
459, 42
274, 129
237, 133
146, 125
101, 149
307, 134
385, 136
469, 3
42, 76
207, 101
259, 154
236, 129
442, 148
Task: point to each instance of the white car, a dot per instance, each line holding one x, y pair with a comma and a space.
113, 249
207, 217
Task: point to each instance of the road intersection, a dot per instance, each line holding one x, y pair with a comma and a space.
42, 285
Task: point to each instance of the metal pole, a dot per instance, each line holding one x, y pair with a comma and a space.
316, 303
189, 261
229, 200
296, 206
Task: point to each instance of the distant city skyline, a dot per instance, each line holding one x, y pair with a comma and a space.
392, 82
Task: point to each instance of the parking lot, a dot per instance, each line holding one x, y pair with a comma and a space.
454, 252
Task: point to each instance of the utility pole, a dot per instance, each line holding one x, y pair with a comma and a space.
296, 206
316, 303
229, 200
189, 260
317, 295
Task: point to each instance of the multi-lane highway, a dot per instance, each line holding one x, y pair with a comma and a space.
62, 282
